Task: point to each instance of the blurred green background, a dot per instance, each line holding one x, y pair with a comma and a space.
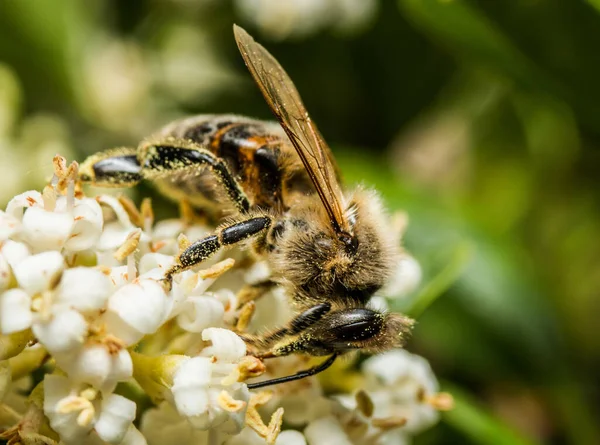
479, 118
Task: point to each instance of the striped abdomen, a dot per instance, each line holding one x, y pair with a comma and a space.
257, 152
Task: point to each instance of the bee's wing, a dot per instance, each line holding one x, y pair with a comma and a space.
285, 102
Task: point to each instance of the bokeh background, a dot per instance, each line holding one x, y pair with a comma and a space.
479, 118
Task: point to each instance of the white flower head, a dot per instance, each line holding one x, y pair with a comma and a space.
205, 389
76, 410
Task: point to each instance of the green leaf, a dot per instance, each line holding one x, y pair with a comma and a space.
433, 289
479, 425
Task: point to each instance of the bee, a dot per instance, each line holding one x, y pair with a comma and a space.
331, 249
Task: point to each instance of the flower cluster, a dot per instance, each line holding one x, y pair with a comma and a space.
83, 300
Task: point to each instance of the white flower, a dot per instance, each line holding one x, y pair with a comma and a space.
406, 278
205, 389
300, 18
49, 224
97, 365
326, 430
163, 423
400, 384
75, 410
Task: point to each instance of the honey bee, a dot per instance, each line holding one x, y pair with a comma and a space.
330, 249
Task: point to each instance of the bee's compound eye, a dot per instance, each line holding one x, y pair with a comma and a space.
357, 324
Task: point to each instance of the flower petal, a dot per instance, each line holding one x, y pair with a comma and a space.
199, 313
84, 289
25, 200
38, 272
44, 230
141, 305
326, 430
9, 226
87, 228
64, 331
15, 311
116, 416
226, 345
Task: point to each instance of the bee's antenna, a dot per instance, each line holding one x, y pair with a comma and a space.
299, 375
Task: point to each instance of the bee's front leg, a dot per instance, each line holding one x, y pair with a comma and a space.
117, 167
284, 341
227, 236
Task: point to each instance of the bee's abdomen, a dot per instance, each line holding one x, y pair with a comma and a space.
251, 149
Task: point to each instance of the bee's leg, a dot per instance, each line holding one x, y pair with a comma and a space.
251, 292
264, 343
117, 167
299, 375
163, 158
223, 237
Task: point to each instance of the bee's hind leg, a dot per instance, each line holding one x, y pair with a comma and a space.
227, 236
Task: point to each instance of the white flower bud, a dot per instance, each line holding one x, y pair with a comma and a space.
37, 272
15, 311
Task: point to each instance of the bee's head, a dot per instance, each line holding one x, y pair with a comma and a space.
315, 261
355, 328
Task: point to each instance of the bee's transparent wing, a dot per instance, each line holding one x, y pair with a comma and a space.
285, 102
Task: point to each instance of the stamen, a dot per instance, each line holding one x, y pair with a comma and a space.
364, 403
245, 316
441, 401
230, 404
217, 270
147, 214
